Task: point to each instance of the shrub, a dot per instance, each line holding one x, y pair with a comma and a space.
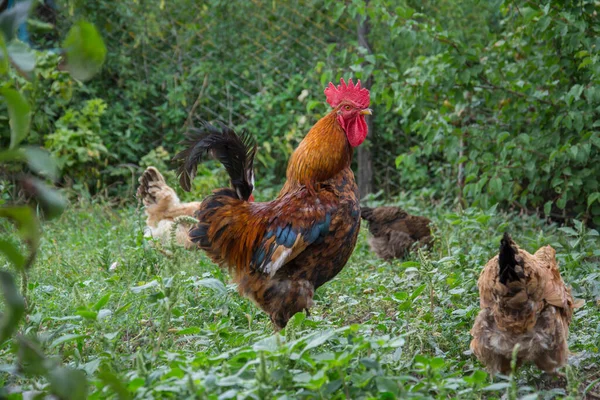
77, 142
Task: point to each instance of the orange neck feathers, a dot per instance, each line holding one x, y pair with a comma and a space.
322, 154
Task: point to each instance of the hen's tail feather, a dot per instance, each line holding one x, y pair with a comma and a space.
366, 213
149, 181
235, 152
507, 261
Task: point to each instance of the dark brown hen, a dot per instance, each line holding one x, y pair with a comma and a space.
395, 231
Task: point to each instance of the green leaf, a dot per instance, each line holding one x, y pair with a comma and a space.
561, 202
418, 291
3, 57
578, 121
399, 160
14, 306
31, 357
497, 386
115, 384
370, 363
87, 314
85, 51
479, 376
40, 26
386, 385
592, 198
503, 136
312, 104
409, 264
319, 339
13, 253
102, 302
124, 308
12, 18
331, 387
41, 162
437, 363
544, 22
568, 230
303, 377
52, 203
574, 93
27, 224
22, 58
12, 155
495, 185
66, 339
19, 114
192, 330
547, 208
68, 383
140, 288
586, 61
212, 283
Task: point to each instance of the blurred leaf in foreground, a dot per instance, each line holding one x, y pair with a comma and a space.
84, 51
12, 18
19, 114
15, 304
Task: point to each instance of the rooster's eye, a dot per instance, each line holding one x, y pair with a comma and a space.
347, 108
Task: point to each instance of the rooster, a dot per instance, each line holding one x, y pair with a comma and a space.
524, 302
395, 231
279, 252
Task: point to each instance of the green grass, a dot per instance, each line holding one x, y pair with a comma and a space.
169, 324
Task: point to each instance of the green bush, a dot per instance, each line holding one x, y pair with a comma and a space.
42, 82
76, 142
497, 96
516, 111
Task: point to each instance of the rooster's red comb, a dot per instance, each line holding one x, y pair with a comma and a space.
351, 92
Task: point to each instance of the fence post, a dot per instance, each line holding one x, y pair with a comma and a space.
461, 168
365, 165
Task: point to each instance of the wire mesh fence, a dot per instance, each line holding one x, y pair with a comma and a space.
171, 63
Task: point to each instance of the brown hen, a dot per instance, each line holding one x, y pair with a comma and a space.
395, 231
523, 301
162, 206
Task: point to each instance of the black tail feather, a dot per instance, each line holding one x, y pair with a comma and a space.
236, 153
507, 260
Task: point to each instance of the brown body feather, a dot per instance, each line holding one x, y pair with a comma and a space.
395, 231
523, 301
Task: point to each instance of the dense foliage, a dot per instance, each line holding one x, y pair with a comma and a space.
518, 112
481, 101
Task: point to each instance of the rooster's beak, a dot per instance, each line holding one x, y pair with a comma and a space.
366, 111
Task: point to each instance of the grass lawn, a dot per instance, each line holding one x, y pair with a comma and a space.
146, 323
